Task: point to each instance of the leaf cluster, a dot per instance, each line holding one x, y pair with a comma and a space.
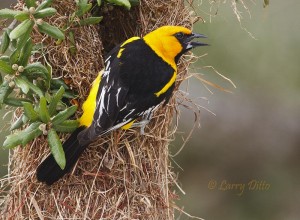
28, 84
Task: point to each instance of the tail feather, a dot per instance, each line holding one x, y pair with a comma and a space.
49, 171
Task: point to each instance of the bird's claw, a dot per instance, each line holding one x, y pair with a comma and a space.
142, 125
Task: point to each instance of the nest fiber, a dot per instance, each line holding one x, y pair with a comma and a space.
123, 175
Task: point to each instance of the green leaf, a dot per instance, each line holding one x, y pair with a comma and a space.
13, 43
25, 26
81, 3
8, 13
5, 42
99, 2
45, 13
25, 119
72, 48
30, 112
83, 7
44, 4
17, 124
35, 89
6, 68
123, 3
64, 115
23, 137
67, 126
5, 58
49, 75
25, 53
12, 141
36, 69
30, 3
23, 40
57, 83
31, 132
48, 97
55, 100
56, 148
15, 102
5, 90
51, 31
69, 95
23, 83
37, 48
14, 57
134, 2
40, 83
49, 68
90, 20
43, 110
22, 16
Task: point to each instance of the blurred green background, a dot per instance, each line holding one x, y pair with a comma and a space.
255, 134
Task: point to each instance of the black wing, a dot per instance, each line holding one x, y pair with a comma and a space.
127, 88
110, 98
143, 73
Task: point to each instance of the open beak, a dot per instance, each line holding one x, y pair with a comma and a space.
192, 44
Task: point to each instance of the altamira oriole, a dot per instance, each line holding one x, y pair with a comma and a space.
139, 75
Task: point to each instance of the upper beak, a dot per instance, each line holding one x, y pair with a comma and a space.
192, 44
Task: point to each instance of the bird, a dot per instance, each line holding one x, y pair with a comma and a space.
138, 76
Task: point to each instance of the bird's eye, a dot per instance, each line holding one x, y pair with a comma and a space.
179, 35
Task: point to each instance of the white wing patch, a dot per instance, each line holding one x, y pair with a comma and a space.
107, 68
116, 126
123, 108
125, 118
102, 104
107, 59
119, 90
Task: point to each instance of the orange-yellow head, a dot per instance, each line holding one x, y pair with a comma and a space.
170, 42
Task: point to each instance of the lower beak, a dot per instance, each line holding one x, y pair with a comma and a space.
192, 44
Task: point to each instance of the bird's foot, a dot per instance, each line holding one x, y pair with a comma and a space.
142, 125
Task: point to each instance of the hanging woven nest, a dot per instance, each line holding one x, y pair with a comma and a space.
123, 175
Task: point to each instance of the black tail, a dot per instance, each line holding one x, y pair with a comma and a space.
49, 171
